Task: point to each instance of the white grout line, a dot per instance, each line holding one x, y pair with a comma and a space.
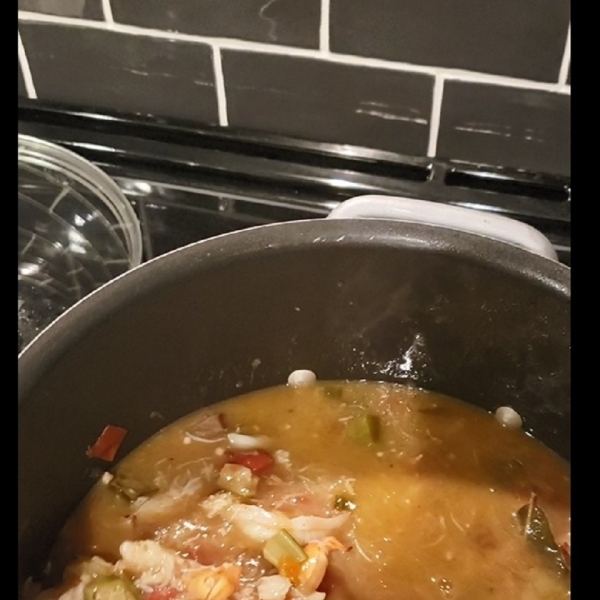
220, 86
436, 112
324, 27
107, 10
347, 59
566, 61
26, 71
484, 78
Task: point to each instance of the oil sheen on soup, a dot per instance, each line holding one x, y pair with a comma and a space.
336, 491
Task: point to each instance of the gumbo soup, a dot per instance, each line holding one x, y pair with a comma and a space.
325, 491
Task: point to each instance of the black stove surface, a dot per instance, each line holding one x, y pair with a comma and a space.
189, 184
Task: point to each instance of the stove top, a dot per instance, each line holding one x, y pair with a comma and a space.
188, 184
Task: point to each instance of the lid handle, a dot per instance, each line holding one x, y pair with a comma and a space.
468, 220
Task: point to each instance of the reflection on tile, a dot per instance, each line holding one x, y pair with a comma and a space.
328, 102
133, 74
288, 22
496, 125
87, 9
512, 37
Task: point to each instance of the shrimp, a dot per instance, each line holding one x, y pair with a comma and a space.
313, 568
214, 583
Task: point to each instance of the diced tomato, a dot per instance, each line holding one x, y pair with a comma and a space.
108, 443
161, 594
257, 461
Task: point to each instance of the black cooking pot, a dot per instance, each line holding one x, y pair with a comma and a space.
458, 313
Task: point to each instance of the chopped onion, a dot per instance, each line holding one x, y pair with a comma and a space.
190, 437
274, 587
247, 442
238, 479
309, 529
153, 565
282, 457
218, 503
509, 417
148, 508
256, 522
301, 378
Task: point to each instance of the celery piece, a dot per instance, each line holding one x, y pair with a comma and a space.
282, 546
238, 479
131, 488
110, 588
365, 428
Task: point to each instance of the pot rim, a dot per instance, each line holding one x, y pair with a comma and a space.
39, 355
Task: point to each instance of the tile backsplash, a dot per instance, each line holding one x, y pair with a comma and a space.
479, 81
491, 123
516, 38
287, 22
316, 99
131, 73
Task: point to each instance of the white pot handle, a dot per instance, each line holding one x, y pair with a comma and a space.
454, 217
